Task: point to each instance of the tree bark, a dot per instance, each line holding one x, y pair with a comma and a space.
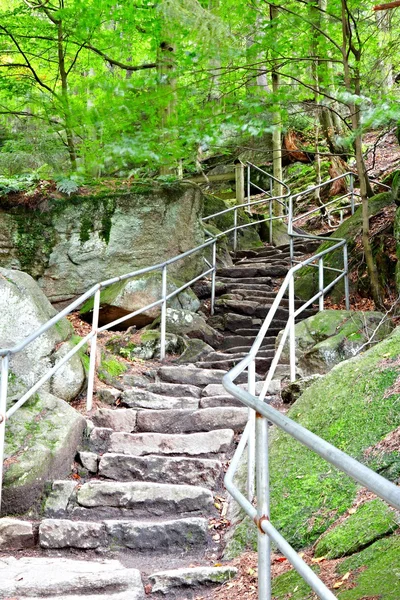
65, 96
277, 130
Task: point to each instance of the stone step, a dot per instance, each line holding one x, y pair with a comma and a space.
221, 400
142, 398
108, 499
253, 272
237, 285
175, 390
267, 350
250, 308
262, 364
272, 331
218, 390
191, 421
245, 280
202, 444
196, 375
170, 582
232, 341
118, 419
31, 578
142, 536
176, 470
263, 353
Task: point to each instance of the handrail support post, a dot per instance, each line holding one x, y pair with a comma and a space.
93, 351
346, 276
292, 332
321, 282
163, 325
3, 409
251, 450
262, 487
213, 276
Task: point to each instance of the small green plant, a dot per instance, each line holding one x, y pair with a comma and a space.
68, 186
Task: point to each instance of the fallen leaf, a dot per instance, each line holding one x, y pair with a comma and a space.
337, 585
318, 560
346, 576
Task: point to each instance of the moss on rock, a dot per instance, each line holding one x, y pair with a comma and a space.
370, 522
291, 585
378, 573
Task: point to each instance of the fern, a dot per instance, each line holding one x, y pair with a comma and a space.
67, 186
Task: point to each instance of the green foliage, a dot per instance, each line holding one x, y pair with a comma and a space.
67, 186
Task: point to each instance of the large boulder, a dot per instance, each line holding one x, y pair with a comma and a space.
125, 297
69, 246
24, 308
194, 325
41, 442
331, 336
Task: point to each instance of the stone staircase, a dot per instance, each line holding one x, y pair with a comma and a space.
154, 463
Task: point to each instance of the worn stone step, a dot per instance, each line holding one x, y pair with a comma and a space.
245, 280
262, 353
170, 582
142, 398
176, 390
267, 350
237, 285
177, 470
192, 421
232, 341
118, 419
141, 536
251, 308
202, 444
229, 321
250, 272
144, 497
272, 330
31, 578
217, 390
262, 364
196, 375
221, 400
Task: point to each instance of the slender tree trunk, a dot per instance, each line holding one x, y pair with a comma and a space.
365, 188
65, 96
166, 74
277, 129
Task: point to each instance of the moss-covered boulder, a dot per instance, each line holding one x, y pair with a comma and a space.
371, 521
24, 309
354, 407
306, 284
331, 336
41, 441
125, 297
70, 244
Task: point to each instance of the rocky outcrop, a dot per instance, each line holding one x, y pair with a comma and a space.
24, 309
70, 245
331, 336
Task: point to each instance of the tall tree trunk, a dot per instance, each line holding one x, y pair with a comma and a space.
277, 128
65, 96
365, 188
167, 83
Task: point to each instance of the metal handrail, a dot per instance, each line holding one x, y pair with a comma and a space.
95, 293
255, 435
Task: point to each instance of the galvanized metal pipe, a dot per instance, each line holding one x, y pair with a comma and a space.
163, 326
270, 222
235, 230
263, 541
321, 282
213, 276
93, 351
3, 410
346, 276
251, 447
292, 332
352, 193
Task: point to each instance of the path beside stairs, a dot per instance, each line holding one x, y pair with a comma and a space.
156, 459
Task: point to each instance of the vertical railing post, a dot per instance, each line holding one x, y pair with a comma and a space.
93, 351
235, 230
251, 447
163, 329
3, 410
213, 276
271, 187
346, 277
292, 333
248, 186
262, 487
270, 222
321, 282
352, 193
239, 182
290, 231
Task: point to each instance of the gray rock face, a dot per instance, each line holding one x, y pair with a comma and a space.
190, 421
202, 444
331, 336
119, 420
63, 533
294, 389
41, 442
59, 497
149, 498
162, 536
15, 534
195, 350
161, 469
24, 309
190, 375
100, 237
165, 581
139, 398
89, 460
185, 322
99, 440
72, 578
173, 389
109, 395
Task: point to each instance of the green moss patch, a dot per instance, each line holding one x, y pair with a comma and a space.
379, 571
370, 522
350, 408
291, 585
111, 368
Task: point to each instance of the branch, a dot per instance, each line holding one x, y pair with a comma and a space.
387, 6
117, 63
